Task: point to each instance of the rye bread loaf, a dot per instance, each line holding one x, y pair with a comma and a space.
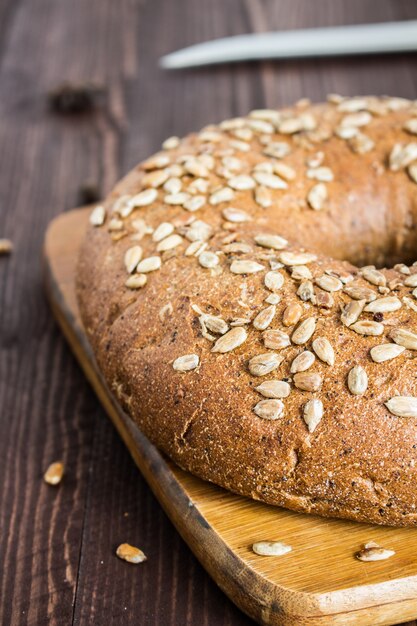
230, 289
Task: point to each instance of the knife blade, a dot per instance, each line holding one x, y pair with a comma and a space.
315, 42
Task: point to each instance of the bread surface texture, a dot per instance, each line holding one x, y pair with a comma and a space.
232, 291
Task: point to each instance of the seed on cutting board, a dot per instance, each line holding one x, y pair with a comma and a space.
386, 352
264, 318
97, 216
186, 363
245, 267
357, 380
129, 553
271, 241
373, 552
269, 409
324, 350
231, 340
275, 339
54, 473
274, 281
150, 264
302, 362
263, 364
136, 281
304, 331
405, 338
402, 406
270, 548
313, 413
292, 314
274, 389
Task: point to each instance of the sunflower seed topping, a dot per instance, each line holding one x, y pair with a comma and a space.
271, 241
313, 413
411, 126
304, 331
171, 143
271, 181
208, 259
275, 339
136, 281
231, 340
163, 230
360, 293
292, 314
317, 196
144, 198
324, 350
274, 281
263, 196
411, 281
263, 364
245, 267
302, 362
235, 215
352, 311
294, 258
412, 172
386, 352
368, 328
132, 257
374, 276
224, 194
284, 171
329, 283
322, 174
402, 155
269, 409
270, 548
186, 363
274, 389
195, 203
308, 381
169, 243
357, 381
199, 231
264, 318
98, 216
402, 406
384, 305
150, 264
405, 338
241, 183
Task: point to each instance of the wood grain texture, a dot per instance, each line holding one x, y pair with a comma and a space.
319, 582
56, 546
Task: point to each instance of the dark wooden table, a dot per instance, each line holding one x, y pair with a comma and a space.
57, 562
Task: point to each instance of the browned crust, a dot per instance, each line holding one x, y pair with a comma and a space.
359, 462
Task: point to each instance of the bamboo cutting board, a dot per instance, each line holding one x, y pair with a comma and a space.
319, 582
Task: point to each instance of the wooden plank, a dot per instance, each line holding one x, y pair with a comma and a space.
320, 581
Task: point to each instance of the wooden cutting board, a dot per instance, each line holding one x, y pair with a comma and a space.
320, 582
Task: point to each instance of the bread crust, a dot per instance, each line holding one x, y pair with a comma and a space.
358, 461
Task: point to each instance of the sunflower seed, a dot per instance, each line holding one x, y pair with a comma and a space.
195, 248
275, 339
245, 267
329, 283
144, 198
402, 155
271, 241
352, 311
386, 352
195, 203
313, 413
215, 324
241, 183
324, 350
306, 291
155, 179
263, 364
277, 149
171, 143
270, 548
304, 331
411, 126
274, 281
411, 281
169, 243
130, 554
263, 197
322, 174
361, 118
98, 216
274, 389
360, 143
54, 473
264, 318
199, 231
308, 381
317, 196
292, 314
270, 181
196, 168
237, 248
352, 105
374, 553
136, 281
374, 276
115, 225
273, 298
224, 194
360, 293
402, 406
208, 259
357, 380
186, 363
163, 230
269, 409
284, 171
158, 161
302, 362
368, 328
132, 257
384, 305
297, 258
291, 125
235, 215
231, 340
412, 172
405, 338
150, 264
411, 304
177, 199
301, 272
